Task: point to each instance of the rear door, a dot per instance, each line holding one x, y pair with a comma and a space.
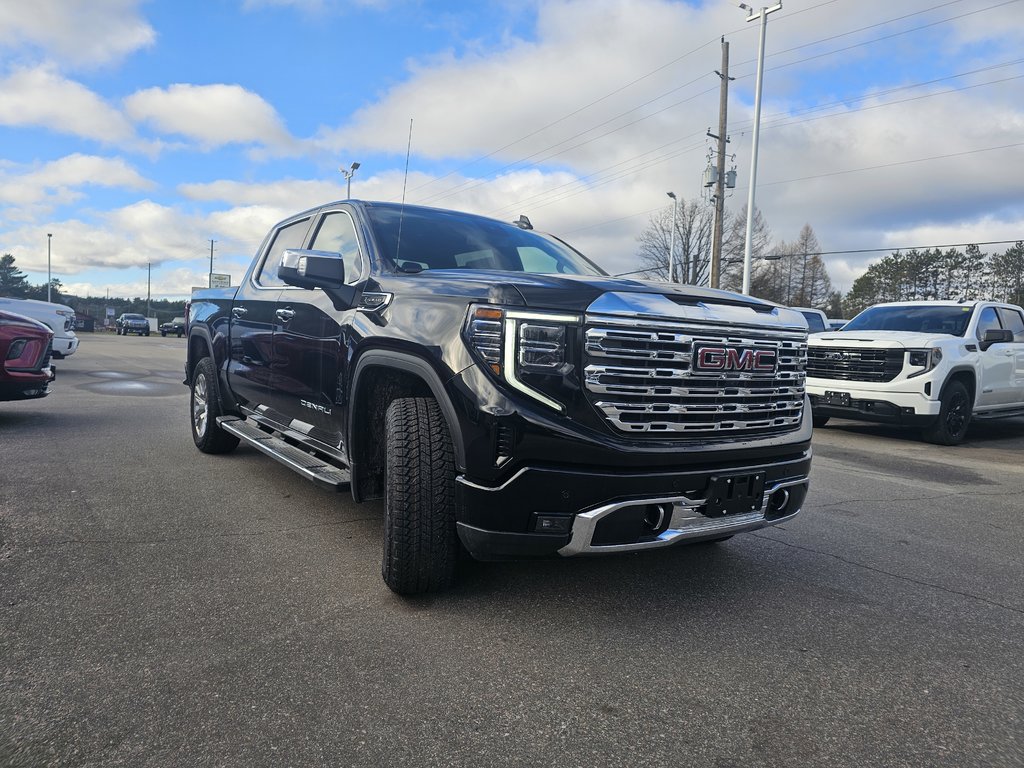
1013, 320
996, 363
311, 340
252, 317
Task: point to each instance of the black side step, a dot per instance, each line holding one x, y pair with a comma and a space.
309, 466
1000, 414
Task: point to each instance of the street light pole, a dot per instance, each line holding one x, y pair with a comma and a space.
49, 279
748, 242
672, 247
348, 179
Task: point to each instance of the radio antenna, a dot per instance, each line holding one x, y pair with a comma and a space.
405, 181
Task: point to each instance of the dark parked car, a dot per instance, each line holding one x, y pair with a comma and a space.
176, 326
25, 349
130, 322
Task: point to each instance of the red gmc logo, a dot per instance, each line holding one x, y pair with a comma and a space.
750, 359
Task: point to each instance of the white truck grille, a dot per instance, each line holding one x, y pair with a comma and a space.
640, 374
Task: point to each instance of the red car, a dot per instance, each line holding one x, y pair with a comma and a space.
25, 348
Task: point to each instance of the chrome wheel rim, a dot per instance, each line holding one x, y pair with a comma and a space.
200, 405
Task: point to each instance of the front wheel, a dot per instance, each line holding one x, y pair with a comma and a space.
950, 427
206, 407
819, 420
420, 542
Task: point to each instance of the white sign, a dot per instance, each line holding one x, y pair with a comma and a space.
220, 280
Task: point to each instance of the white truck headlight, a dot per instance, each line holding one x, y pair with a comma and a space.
925, 359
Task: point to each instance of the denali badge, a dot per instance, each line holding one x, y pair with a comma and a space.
711, 358
315, 407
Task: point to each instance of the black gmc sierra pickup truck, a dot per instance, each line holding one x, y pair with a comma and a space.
501, 392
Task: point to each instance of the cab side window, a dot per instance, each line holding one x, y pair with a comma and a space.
1013, 321
290, 236
337, 234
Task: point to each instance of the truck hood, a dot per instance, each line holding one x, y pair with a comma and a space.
904, 339
613, 295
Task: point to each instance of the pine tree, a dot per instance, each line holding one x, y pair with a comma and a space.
13, 282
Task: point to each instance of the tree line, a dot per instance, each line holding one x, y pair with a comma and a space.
790, 273
941, 274
794, 274
14, 284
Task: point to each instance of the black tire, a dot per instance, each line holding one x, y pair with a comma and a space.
950, 426
205, 407
118, 331
420, 542
164, 334
146, 333
819, 420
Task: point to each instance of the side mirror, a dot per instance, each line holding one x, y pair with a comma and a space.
312, 269
995, 336
317, 269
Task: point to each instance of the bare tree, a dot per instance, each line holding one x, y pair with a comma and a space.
693, 243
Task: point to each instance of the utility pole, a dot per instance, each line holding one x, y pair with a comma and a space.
149, 285
49, 278
748, 244
723, 110
210, 285
672, 248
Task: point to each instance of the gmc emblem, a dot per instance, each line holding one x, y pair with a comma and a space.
711, 358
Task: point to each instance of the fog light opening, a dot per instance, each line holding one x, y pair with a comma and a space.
778, 501
654, 516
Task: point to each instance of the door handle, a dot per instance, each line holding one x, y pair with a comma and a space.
238, 311
284, 315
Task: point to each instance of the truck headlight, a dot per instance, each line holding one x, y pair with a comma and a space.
523, 347
925, 359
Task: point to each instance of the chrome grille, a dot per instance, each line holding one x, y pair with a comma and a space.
854, 363
639, 375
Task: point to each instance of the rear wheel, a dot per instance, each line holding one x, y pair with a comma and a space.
420, 542
206, 407
950, 427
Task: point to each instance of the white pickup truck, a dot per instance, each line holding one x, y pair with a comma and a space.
59, 318
933, 364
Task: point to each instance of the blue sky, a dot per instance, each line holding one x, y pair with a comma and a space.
135, 132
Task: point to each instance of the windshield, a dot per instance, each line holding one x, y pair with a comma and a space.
814, 322
951, 320
437, 239
134, 317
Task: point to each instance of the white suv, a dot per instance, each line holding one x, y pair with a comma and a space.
59, 318
936, 364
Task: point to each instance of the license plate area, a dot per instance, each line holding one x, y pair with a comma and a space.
836, 398
734, 494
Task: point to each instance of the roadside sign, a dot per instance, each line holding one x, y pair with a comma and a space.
218, 280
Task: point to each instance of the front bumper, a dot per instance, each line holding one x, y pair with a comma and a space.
598, 512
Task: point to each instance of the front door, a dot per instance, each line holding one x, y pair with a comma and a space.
997, 364
310, 341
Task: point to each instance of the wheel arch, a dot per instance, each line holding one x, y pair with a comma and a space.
965, 376
379, 377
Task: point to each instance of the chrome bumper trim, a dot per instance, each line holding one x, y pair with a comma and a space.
686, 523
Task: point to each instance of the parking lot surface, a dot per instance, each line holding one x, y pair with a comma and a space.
161, 607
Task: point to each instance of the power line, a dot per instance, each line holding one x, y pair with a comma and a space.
894, 164
919, 247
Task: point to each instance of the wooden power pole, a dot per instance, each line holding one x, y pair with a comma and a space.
723, 109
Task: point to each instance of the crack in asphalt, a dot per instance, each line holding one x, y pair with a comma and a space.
178, 539
882, 571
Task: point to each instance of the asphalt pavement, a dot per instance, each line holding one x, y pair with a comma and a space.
162, 607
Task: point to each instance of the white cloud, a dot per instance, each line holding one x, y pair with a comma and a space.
507, 105
59, 181
211, 115
40, 97
85, 32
